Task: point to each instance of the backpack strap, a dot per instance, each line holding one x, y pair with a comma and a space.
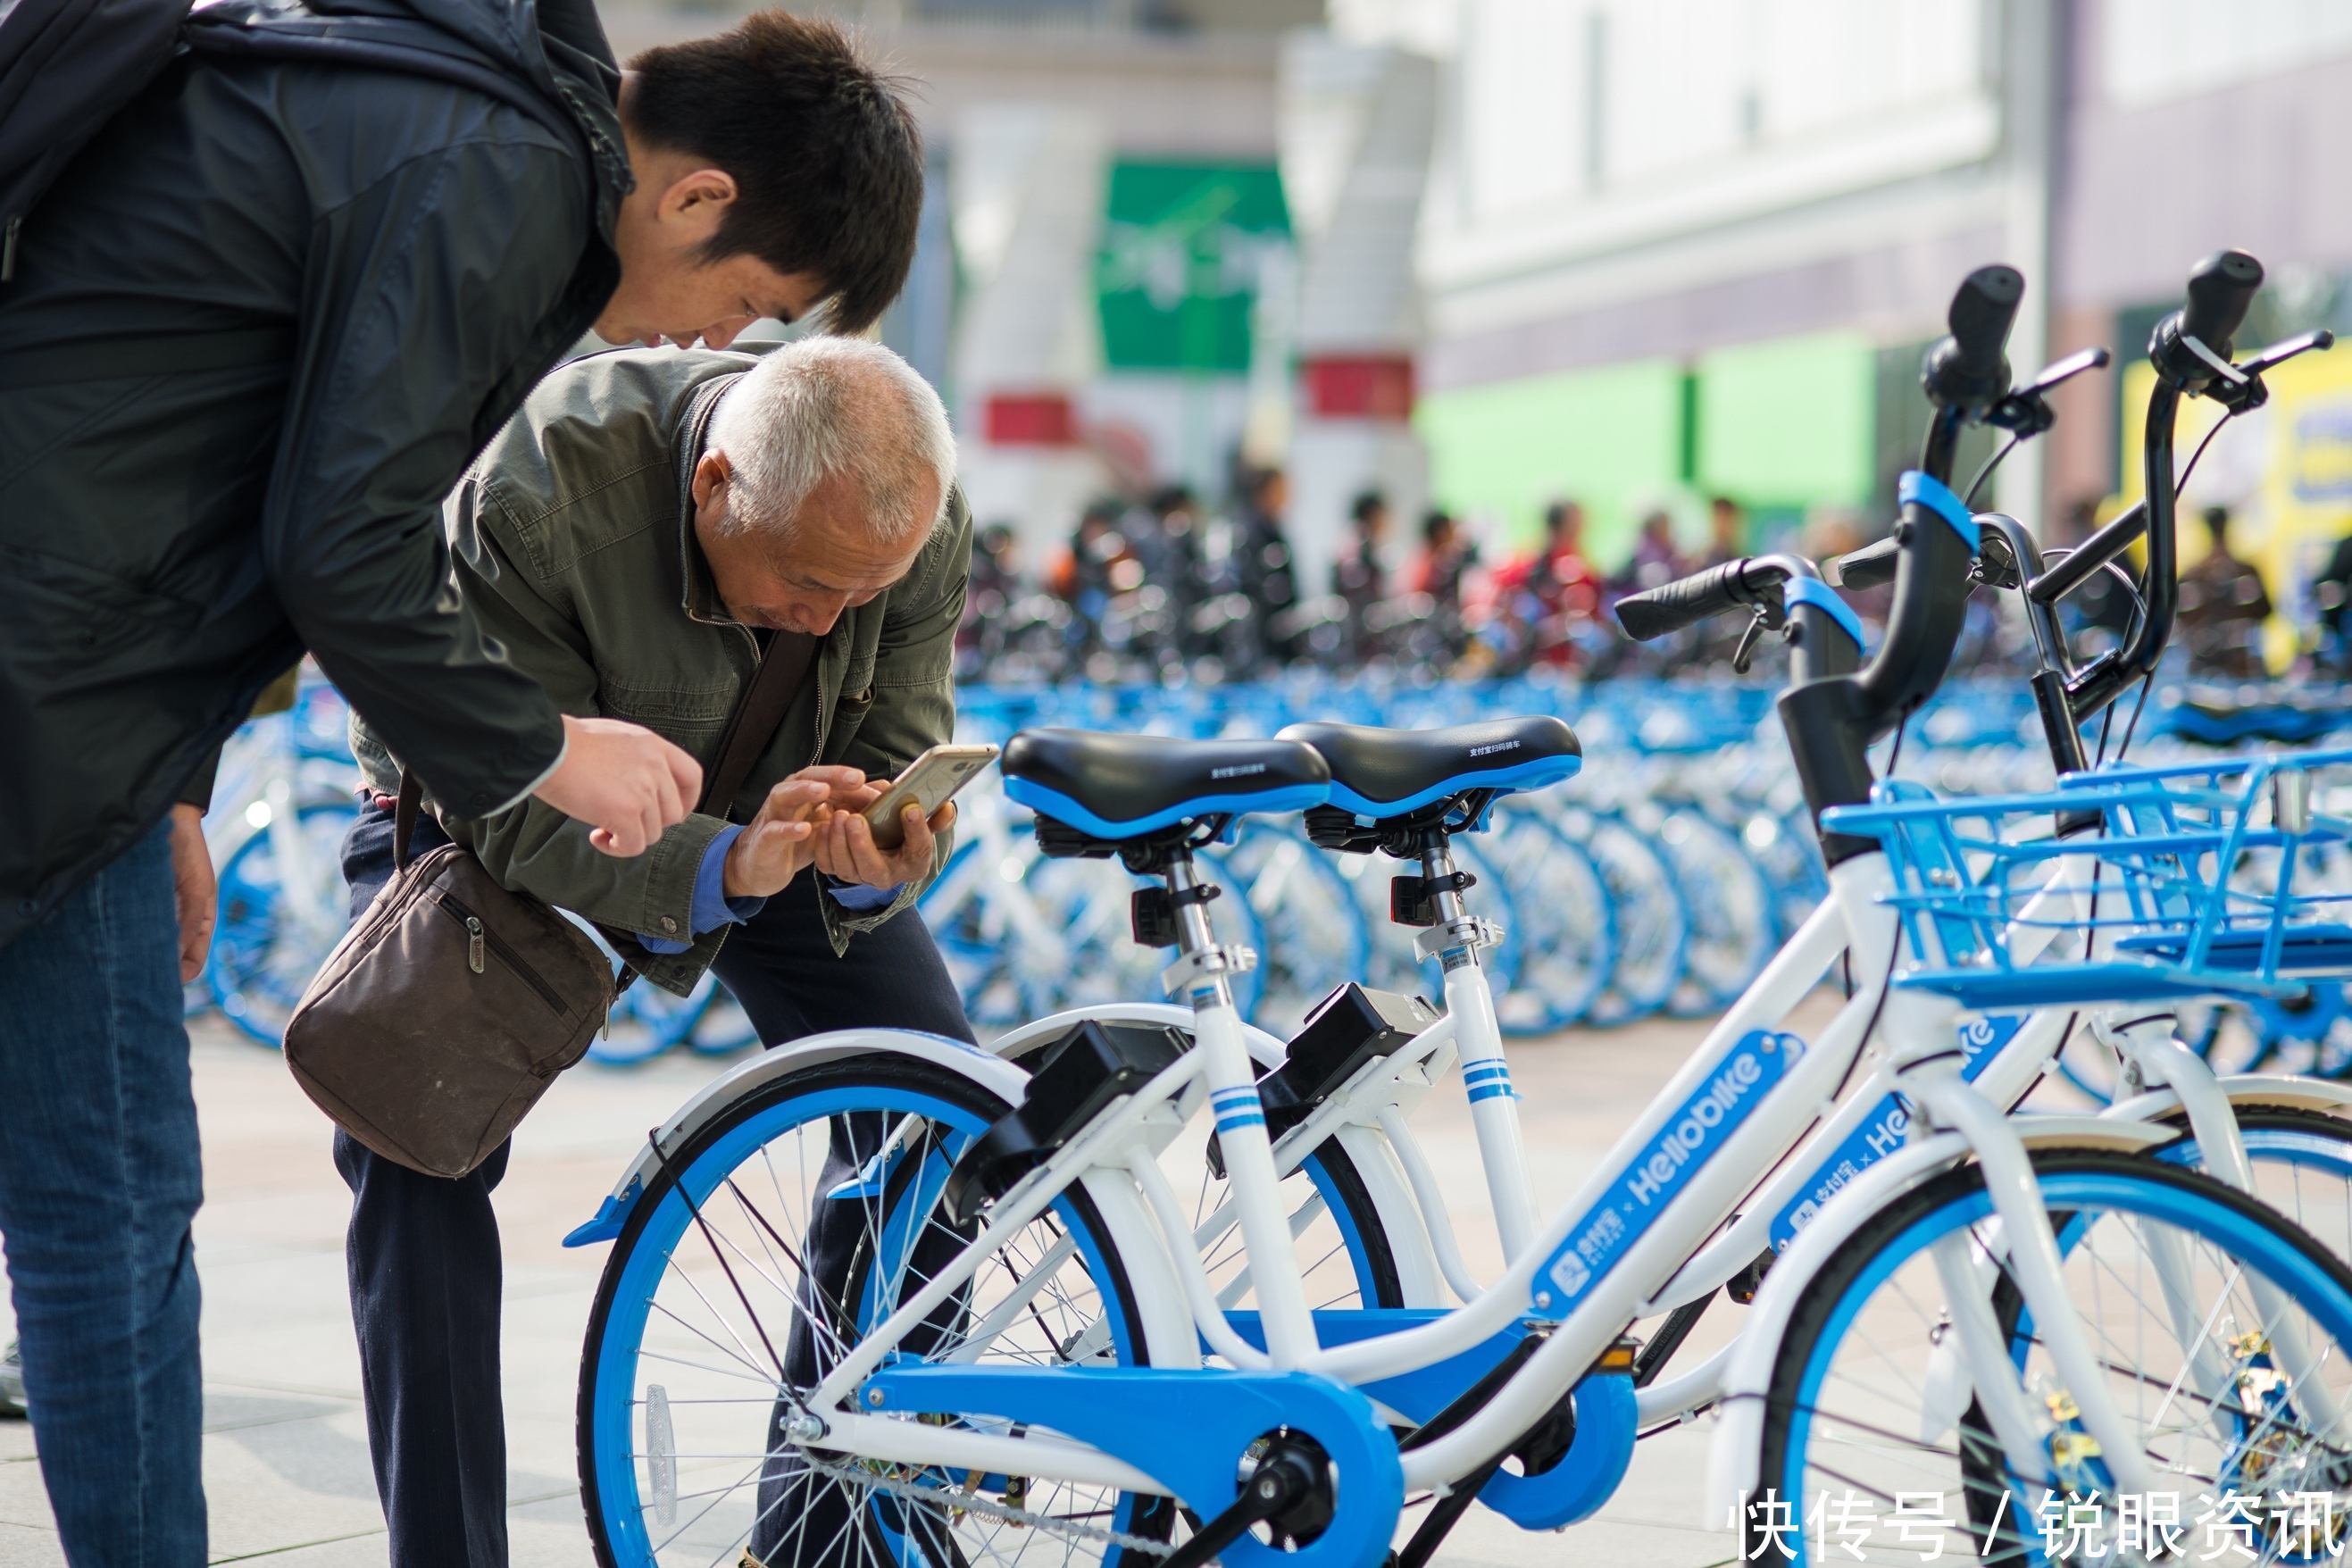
379, 43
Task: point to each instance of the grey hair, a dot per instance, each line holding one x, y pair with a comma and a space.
820, 407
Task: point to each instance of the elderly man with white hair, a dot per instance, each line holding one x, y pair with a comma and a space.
645, 532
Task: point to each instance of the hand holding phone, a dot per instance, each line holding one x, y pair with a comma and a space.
929, 782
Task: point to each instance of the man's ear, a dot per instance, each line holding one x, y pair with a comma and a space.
699, 199
710, 471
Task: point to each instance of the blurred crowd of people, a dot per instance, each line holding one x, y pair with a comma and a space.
1167, 586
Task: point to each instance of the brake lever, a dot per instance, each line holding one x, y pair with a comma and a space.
2024, 410
1745, 654
2278, 354
1997, 565
2246, 392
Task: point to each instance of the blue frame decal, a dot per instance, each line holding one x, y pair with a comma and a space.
1488, 1079
1884, 1131
1700, 1126
1237, 1108
1931, 492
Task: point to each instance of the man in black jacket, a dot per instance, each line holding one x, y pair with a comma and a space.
257, 330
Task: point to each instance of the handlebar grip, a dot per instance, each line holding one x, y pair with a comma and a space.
1983, 309
1684, 601
2220, 293
1868, 566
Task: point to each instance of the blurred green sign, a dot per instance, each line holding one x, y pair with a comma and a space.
1184, 245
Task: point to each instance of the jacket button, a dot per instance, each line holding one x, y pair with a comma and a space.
668, 923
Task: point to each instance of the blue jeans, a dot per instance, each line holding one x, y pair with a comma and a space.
99, 1179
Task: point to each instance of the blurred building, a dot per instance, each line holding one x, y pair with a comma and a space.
1671, 248
1637, 252
1105, 204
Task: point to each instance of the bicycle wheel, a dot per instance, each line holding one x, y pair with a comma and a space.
1342, 1245
1566, 938
281, 912
1732, 930
2301, 1165
725, 1029
1654, 916
1002, 978
814, 1211
2185, 1288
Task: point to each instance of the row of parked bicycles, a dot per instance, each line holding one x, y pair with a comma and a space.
1142, 1282
1661, 886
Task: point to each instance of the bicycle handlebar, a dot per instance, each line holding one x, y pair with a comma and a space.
1686, 602
2191, 350
1824, 636
2220, 290
1831, 723
1867, 567
1969, 369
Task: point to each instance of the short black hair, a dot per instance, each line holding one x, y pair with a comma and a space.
825, 155
1436, 524
1365, 504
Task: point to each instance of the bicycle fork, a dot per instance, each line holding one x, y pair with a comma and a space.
1930, 1078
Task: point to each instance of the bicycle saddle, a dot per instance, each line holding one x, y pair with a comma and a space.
1123, 786
1380, 774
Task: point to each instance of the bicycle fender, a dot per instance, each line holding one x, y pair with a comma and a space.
2287, 1090
1000, 1078
1267, 1049
2037, 1130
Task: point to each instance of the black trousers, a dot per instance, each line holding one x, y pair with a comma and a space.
426, 1275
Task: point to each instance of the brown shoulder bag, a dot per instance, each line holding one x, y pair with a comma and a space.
447, 1011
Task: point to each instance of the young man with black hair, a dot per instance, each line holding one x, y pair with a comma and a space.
254, 334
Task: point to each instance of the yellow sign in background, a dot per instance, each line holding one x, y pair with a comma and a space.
2284, 471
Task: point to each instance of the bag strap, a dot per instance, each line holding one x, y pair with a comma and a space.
398, 45
758, 714
783, 666
404, 819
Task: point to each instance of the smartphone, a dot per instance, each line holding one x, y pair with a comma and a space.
927, 782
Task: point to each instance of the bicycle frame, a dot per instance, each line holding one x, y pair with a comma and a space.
1127, 1139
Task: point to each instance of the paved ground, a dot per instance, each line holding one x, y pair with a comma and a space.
286, 1451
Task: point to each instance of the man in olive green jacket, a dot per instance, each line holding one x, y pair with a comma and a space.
574, 541
637, 537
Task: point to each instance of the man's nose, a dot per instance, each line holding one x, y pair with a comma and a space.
725, 332
823, 613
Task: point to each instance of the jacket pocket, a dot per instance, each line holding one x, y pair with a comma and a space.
55, 612
848, 716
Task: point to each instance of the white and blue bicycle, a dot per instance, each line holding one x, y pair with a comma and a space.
879, 1296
